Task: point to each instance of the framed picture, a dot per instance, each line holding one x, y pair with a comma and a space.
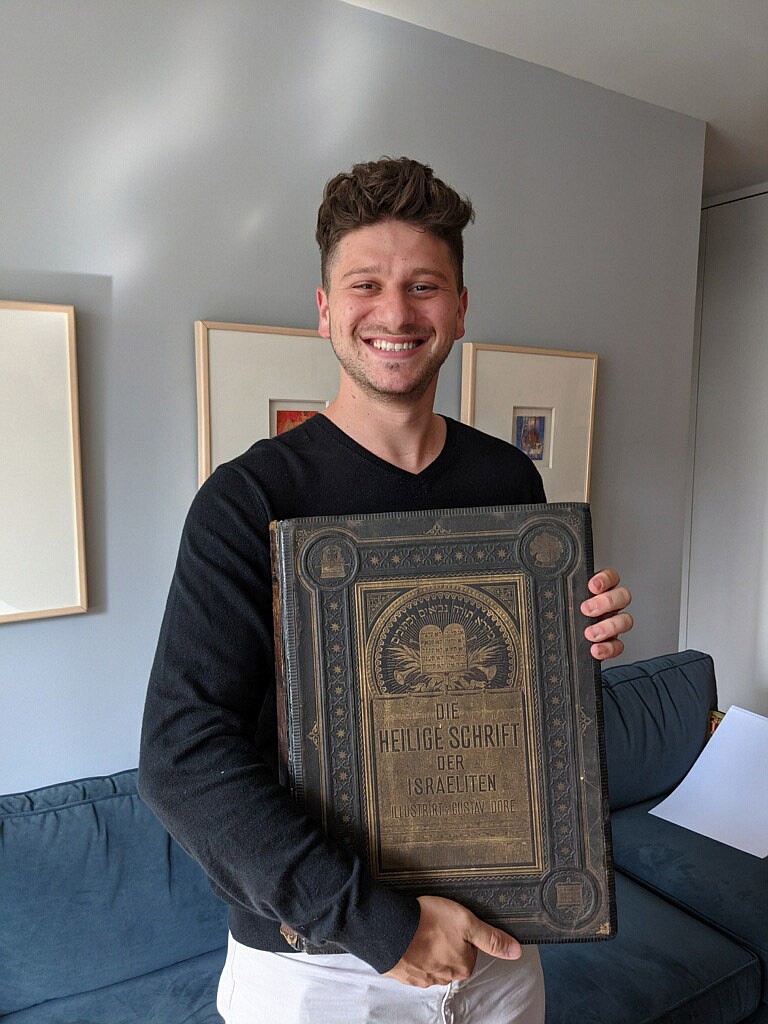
286, 415
256, 382
42, 548
541, 400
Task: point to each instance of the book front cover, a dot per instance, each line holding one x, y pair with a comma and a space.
441, 709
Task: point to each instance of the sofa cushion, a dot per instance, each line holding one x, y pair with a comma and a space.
90, 877
717, 883
182, 994
663, 966
656, 714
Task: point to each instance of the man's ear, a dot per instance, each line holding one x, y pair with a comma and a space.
324, 316
460, 332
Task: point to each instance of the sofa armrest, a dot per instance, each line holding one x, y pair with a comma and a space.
656, 714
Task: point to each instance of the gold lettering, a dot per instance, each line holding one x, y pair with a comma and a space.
447, 710
410, 739
439, 785
481, 735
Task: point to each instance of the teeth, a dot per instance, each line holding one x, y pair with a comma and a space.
393, 346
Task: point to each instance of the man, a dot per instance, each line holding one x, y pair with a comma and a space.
392, 304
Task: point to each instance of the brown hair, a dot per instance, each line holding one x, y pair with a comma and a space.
388, 189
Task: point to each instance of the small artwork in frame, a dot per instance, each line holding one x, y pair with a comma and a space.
532, 433
284, 415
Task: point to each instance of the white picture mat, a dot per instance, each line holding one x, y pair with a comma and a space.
241, 369
724, 796
42, 561
502, 378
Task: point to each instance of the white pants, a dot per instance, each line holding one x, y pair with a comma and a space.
296, 988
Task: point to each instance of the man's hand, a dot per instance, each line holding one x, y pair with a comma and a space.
444, 946
607, 606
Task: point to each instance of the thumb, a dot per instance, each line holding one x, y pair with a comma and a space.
493, 941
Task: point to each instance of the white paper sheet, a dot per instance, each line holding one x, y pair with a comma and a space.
725, 794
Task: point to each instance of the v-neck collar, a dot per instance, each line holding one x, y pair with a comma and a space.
435, 466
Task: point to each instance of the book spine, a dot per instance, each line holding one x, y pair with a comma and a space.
607, 837
283, 742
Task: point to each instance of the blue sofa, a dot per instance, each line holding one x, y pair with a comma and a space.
105, 920
692, 943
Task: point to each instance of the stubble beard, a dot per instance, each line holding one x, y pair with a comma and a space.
357, 372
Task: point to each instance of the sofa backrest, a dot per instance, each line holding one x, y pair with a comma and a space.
656, 717
94, 891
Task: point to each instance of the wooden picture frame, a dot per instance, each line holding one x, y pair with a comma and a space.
247, 377
42, 540
542, 400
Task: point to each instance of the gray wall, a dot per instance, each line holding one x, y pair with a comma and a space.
727, 612
162, 162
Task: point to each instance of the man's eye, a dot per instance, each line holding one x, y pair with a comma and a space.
363, 286
422, 287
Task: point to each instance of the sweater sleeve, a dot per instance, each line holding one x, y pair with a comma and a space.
206, 766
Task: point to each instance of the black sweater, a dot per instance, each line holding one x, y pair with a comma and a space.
209, 738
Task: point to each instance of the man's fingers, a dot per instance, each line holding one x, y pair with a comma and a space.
613, 601
607, 629
445, 944
607, 606
609, 649
493, 941
604, 580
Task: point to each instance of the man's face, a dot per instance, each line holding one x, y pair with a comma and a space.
392, 309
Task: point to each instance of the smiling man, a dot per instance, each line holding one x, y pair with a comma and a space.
392, 304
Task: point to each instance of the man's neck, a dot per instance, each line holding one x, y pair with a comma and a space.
406, 434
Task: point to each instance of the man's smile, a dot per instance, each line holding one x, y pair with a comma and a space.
392, 346
384, 345
392, 342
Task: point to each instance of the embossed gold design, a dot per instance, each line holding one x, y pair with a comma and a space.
332, 563
446, 638
569, 894
506, 595
374, 602
570, 897
546, 549
443, 651
314, 736
441, 661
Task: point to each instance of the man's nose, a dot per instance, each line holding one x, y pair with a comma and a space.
396, 309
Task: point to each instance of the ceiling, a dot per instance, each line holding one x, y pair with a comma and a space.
706, 58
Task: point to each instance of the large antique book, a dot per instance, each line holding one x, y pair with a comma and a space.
439, 710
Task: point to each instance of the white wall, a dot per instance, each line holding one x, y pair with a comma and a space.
727, 612
162, 161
